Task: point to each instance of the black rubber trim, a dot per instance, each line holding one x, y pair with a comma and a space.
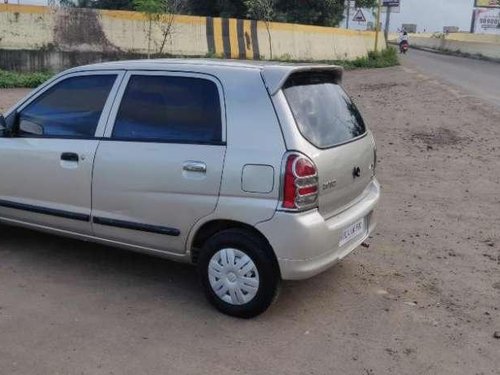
179, 142
137, 226
45, 211
137, 140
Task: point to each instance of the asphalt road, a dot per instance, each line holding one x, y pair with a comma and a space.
476, 77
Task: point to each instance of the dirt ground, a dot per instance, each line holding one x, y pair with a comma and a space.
423, 299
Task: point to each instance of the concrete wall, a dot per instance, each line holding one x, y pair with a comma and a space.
474, 44
55, 34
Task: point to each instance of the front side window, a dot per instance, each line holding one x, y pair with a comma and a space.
169, 109
324, 114
71, 108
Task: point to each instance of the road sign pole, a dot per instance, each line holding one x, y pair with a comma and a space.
377, 27
387, 24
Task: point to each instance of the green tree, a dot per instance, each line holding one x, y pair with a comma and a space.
100, 4
263, 10
206, 8
316, 12
170, 8
152, 10
231, 8
312, 12
113, 4
366, 3
75, 3
160, 13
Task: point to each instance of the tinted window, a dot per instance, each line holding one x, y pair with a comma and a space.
324, 113
72, 108
171, 109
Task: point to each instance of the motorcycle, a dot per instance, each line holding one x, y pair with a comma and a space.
404, 46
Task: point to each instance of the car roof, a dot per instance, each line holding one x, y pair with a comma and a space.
274, 74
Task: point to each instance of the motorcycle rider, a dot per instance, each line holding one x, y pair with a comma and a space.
403, 39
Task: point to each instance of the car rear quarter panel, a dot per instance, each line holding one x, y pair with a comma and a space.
254, 138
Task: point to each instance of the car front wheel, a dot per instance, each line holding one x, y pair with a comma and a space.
239, 273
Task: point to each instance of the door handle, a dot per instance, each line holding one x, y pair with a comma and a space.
195, 166
70, 156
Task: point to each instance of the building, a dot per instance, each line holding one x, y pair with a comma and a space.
451, 29
409, 27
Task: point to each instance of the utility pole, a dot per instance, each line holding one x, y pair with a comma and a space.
387, 24
377, 27
348, 13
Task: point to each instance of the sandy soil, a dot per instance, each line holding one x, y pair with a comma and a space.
9, 97
423, 299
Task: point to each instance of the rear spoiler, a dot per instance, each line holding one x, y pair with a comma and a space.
276, 76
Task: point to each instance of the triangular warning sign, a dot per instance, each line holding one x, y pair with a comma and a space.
359, 16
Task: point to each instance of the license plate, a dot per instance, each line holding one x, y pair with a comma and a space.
352, 231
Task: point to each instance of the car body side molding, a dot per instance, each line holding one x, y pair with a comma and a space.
45, 210
137, 226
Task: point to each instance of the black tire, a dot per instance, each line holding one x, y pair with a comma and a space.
262, 256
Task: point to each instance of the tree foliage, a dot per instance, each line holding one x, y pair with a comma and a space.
263, 10
99, 4
159, 14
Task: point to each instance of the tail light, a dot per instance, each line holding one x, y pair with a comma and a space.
300, 183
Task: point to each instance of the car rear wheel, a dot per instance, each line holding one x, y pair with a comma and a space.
239, 273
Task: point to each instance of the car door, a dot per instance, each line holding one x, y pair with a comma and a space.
46, 163
158, 170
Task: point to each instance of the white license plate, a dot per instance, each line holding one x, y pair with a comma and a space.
352, 231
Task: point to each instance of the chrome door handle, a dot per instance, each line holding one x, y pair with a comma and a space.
195, 166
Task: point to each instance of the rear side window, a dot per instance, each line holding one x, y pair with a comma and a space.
170, 109
324, 114
71, 108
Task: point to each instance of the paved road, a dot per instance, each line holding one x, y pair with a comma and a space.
478, 78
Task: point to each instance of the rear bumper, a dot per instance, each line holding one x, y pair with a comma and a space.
307, 244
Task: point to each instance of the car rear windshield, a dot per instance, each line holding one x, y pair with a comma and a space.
324, 113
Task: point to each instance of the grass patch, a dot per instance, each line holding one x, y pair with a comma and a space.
10, 80
381, 59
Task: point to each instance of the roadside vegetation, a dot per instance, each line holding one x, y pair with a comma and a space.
383, 59
17, 80
380, 59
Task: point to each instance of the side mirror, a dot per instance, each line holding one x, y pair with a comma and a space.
30, 127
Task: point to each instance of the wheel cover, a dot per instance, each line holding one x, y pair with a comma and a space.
233, 276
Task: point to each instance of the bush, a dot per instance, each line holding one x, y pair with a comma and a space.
380, 59
17, 80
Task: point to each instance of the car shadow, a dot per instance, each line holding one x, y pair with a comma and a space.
123, 272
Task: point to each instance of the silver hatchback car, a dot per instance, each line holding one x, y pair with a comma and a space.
254, 172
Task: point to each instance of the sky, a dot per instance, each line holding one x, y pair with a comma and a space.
429, 15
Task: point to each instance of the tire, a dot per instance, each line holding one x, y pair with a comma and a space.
239, 273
